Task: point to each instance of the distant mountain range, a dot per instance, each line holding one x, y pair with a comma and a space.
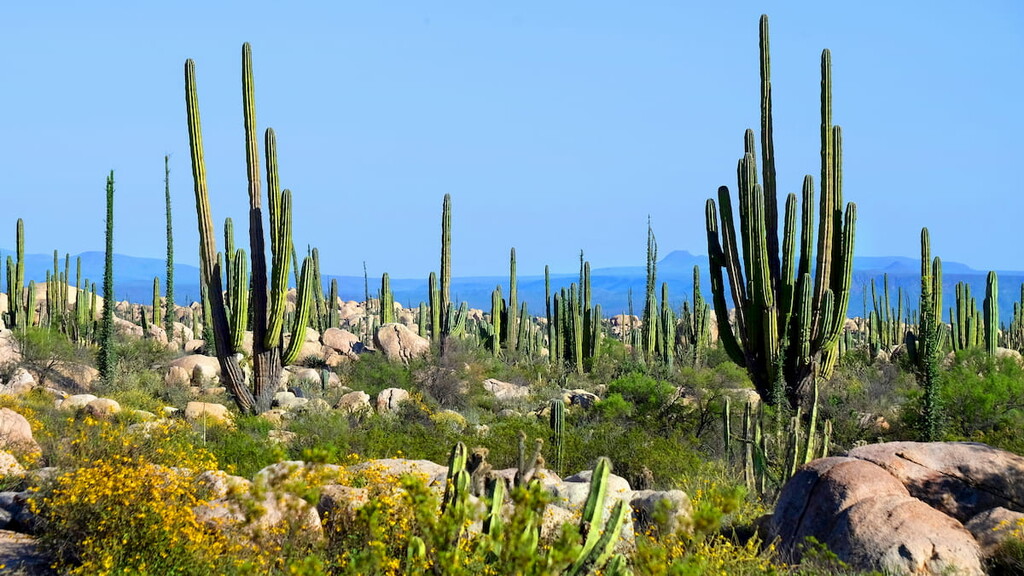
611, 286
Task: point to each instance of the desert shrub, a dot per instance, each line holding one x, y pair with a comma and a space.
43, 351
373, 373
987, 393
614, 407
647, 395
327, 432
123, 514
244, 448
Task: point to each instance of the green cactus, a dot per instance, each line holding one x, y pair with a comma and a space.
332, 305
924, 344
435, 308
157, 317
421, 320
599, 535
650, 319
556, 421
512, 329
787, 329
497, 311
169, 314
106, 357
267, 326
387, 301
696, 323
991, 313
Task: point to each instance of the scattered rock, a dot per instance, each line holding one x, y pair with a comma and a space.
354, 402
397, 342
505, 390
102, 408
208, 413
16, 432
389, 399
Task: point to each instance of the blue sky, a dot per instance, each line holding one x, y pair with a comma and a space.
556, 126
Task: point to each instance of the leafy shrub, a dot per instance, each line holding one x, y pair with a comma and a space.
645, 393
43, 351
244, 448
373, 373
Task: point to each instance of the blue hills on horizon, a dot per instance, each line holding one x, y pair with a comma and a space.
133, 281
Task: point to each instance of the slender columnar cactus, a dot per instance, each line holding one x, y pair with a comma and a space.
320, 321
435, 308
497, 310
991, 313
788, 323
552, 351
512, 341
106, 352
924, 345
17, 308
267, 317
422, 318
668, 329
446, 266
239, 296
387, 300
157, 308
557, 424
332, 306
650, 320
169, 314
696, 323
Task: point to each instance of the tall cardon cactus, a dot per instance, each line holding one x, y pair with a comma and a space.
266, 318
788, 322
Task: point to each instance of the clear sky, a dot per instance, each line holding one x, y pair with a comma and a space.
555, 126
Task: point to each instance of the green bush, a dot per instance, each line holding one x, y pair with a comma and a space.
244, 448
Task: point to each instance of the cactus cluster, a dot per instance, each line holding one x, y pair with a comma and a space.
695, 324
885, 321
574, 323
788, 323
265, 318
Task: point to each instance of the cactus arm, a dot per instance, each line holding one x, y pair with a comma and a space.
303, 304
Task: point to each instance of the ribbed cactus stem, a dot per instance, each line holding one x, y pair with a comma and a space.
991, 313
435, 308
156, 301
497, 309
557, 424
239, 274
513, 304
303, 306
446, 263
785, 331
387, 300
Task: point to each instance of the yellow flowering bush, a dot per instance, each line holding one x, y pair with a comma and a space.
125, 515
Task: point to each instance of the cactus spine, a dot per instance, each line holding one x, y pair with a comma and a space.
788, 324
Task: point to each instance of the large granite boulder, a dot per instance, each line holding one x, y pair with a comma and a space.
904, 507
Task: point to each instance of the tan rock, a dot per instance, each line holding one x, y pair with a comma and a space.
208, 413
16, 432
389, 399
399, 343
